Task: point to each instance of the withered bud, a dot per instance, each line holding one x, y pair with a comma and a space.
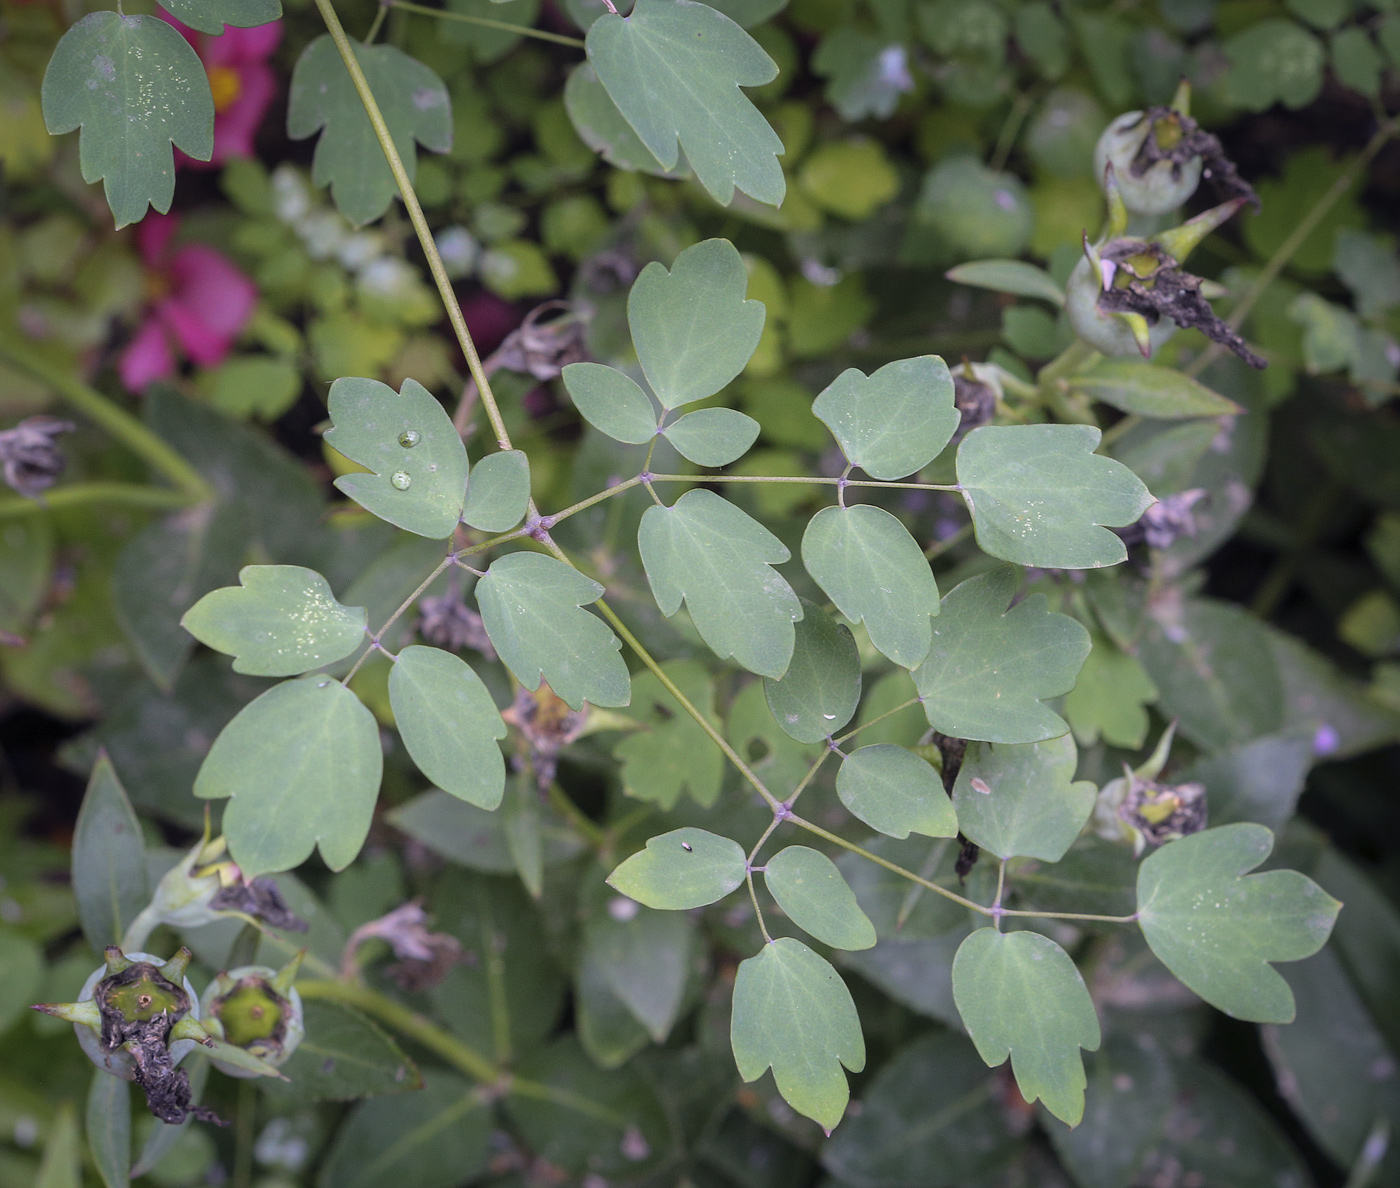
446, 621
29, 454
548, 340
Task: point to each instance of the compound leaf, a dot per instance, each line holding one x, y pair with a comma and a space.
991, 668
821, 688
1217, 927
692, 327
611, 402
707, 552
713, 436
110, 879
603, 129
449, 724
671, 753
674, 69
498, 494
874, 571
348, 157
134, 86
1146, 390
1021, 799
891, 789
1040, 495
894, 422
210, 16
686, 868
406, 439
816, 898
532, 608
281, 620
1021, 996
301, 765
793, 1013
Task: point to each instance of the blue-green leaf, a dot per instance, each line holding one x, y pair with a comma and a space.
348, 157
707, 552
674, 69
991, 668
712, 436
532, 608
110, 878
894, 422
210, 16
108, 1127
499, 492
449, 724
302, 765
820, 690
134, 86
693, 327
686, 868
816, 898
406, 439
672, 753
891, 789
611, 402
1009, 276
281, 620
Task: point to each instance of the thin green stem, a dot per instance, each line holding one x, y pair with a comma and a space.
111, 417
416, 217
378, 22
441, 568
997, 912
757, 911
806, 779
485, 23
1032, 914
105, 494
819, 480
866, 725
1296, 238
245, 1131
1114, 432
597, 836
1074, 357
574, 1101
939, 547
585, 504
1006, 140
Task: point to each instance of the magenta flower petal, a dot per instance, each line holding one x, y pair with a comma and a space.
147, 357
208, 285
205, 345
241, 47
153, 235
237, 124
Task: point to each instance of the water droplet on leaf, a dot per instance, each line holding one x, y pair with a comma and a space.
400, 480
410, 438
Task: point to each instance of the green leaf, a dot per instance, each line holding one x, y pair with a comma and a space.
1021, 800
1021, 996
108, 1128
861, 80
712, 436
449, 724
671, 753
931, 1118
418, 464
1110, 698
134, 86
874, 571
686, 868
793, 1013
411, 98
645, 957
437, 1137
604, 129
531, 606
281, 620
26, 564
1147, 390
343, 1057
991, 668
810, 889
1274, 61
62, 1164
1040, 495
674, 70
520, 822
498, 492
611, 402
894, 422
1009, 276
110, 879
210, 16
707, 552
891, 789
474, 837
1217, 927
693, 328
819, 693
302, 765
21, 975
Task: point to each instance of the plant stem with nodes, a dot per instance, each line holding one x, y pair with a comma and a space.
483, 22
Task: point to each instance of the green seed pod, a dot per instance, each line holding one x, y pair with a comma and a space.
257, 1009
1112, 332
1164, 184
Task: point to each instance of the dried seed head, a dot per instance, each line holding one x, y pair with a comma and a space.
29, 455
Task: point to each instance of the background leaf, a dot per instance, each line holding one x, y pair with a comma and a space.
991, 667
110, 879
671, 753
343, 1057
686, 868
498, 492
134, 86
532, 609
281, 620
820, 690
449, 724
1021, 996
301, 765
810, 889
406, 439
895, 421
1040, 495
1216, 927
793, 1013
891, 789
1148, 390
1009, 276
348, 158
674, 72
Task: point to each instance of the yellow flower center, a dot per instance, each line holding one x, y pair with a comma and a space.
225, 85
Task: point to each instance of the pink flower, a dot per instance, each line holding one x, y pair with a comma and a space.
242, 83
199, 303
